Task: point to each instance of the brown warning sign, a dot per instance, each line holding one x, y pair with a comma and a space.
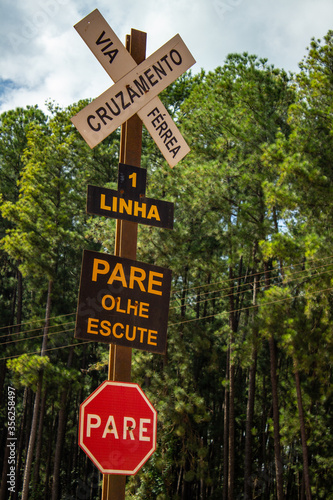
123, 301
110, 203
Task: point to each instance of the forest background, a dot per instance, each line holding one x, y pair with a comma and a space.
243, 393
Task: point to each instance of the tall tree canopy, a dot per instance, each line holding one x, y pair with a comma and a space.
243, 393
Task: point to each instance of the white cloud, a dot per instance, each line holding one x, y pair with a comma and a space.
42, 56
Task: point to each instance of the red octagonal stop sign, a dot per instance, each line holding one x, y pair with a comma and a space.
117, 428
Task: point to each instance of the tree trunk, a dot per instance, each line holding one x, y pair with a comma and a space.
250, 403
263, 434
35, 481
47, 317
33, 431
25, 423
231, 460
226, 431
275, 404
59, 443
60, 435
276, 421
3, 369
184, 293
306, 473
47, 487
19, 302
248, 427
4, 484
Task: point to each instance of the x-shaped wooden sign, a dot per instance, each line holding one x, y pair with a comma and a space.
135, 90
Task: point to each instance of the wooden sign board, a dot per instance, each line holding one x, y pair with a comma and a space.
110, 203
117, 62
123, 301
132, 92
132, 180
164, 131
105, 45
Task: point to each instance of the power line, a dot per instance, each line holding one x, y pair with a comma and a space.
248, 307
204, 300
248, 284
185, 321
35, 329
46, 350
35, 337
35, 321
235, 294
181, 291
288, 281
261, 273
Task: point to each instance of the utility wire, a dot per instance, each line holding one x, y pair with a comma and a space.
249, 284
261, 273
35, 329
188, 320
35, 321
35, 337
235, 293
177, 292
46, 350
248, 307
187, 303
288, 281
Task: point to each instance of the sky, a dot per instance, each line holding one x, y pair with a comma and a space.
42, 58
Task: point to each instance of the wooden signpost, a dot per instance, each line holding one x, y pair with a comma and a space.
121, 301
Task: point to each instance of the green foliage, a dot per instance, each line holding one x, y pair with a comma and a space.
25, 370
250, 257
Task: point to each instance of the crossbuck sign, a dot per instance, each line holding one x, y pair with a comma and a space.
135, 90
